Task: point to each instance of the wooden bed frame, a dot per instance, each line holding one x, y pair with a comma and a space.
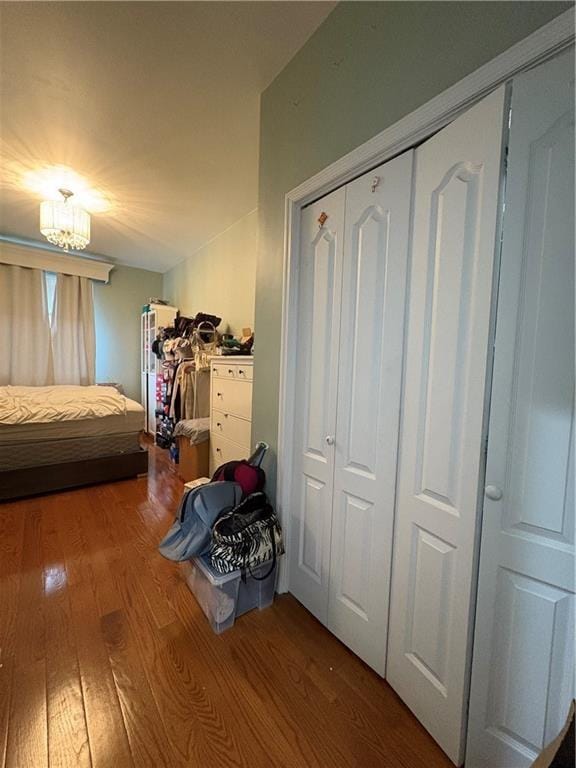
31, 481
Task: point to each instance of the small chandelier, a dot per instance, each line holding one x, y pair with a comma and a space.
64, 224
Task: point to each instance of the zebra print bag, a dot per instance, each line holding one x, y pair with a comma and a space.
246, 537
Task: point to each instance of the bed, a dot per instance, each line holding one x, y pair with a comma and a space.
52, 438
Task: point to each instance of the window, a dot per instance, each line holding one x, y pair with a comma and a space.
50, 278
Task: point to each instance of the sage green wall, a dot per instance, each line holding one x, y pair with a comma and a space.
220, 278
365, 67
117, 308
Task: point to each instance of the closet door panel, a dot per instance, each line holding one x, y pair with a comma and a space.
317, 336
523, 669
447, 338
373, 300
458, 175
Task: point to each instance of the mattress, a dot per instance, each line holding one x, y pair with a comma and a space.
18, 455
118, 424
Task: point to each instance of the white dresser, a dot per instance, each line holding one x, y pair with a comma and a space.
230, 409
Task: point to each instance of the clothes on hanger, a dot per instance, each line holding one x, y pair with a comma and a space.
191, 392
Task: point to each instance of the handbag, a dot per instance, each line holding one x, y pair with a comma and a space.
190, 533
246, 537
250, 477
247, 472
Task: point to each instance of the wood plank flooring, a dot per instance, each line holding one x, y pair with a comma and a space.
106, 660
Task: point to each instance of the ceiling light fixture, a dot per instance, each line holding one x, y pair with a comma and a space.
64, 224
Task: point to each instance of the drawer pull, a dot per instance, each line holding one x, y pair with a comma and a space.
218, 394
218, 424
230, 370
241, 372
218, 450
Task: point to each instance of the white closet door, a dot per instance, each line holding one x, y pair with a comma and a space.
371, 334
317, 337
523, 672
458, 175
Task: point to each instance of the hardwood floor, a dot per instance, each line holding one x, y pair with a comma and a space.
106, 660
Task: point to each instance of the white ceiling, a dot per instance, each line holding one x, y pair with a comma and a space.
155, 104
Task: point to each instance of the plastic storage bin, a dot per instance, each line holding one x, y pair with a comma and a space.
224, 597
255, 593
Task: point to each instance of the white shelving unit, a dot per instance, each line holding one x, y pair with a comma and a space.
157, 316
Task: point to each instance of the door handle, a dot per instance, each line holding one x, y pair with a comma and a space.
493, 492
329, 439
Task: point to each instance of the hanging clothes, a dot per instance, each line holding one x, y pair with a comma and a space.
191, 392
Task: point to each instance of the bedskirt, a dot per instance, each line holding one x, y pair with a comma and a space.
19, 455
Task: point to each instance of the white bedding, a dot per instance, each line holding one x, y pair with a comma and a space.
130, 422
41, 405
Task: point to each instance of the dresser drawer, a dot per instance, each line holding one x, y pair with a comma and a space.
244, 372
232, 396
231, 427
240, 371
222, 451
223, 371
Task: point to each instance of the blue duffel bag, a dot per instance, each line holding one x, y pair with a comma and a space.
191, 532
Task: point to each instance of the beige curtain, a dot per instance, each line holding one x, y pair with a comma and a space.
73, 334
25, 344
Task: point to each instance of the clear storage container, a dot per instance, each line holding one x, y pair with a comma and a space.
256, 593
224, 597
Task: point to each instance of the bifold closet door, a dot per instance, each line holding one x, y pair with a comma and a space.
523, 668
370, 369
457, 182
317, 338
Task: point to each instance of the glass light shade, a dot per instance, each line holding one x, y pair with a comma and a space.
64, 224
